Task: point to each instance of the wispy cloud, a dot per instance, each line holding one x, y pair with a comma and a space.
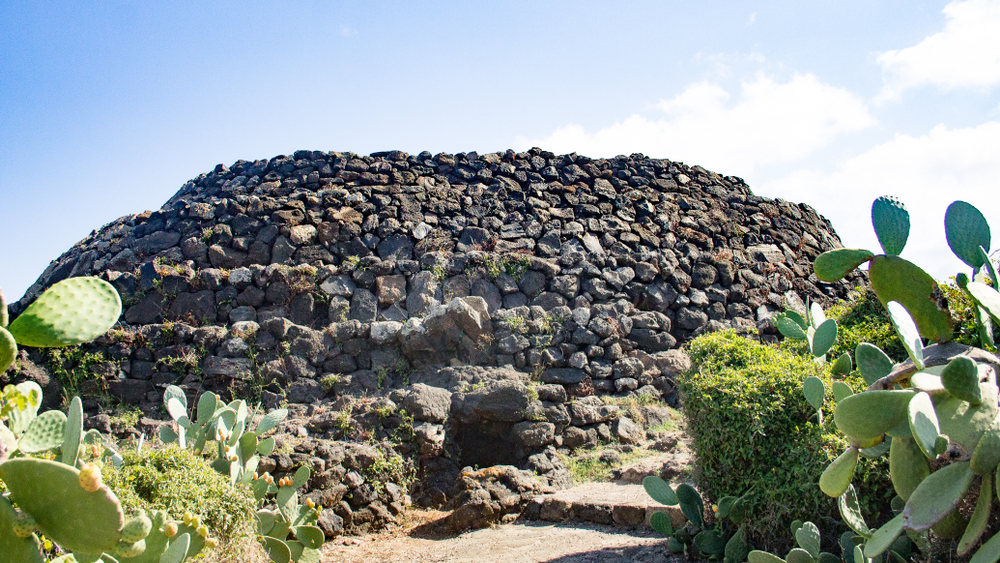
966, 54
346, 31
769, 122
927, 172
753, 18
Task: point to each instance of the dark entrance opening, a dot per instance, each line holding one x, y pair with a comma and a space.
487, 444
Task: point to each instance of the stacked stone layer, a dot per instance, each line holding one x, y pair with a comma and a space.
322, 276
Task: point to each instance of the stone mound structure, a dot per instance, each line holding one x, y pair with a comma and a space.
470, 310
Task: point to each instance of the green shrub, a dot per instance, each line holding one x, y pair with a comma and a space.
173, 479
751, 431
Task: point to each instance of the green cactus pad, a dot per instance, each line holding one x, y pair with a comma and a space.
310, 536
736, 547
51, 492
961, 378
871, 414
710, 542
799, 555
988, 266
895, 279
816, 315
74, 432
837, 476
883, 537
660, 522
873, 363
137, 529
908, 466
824, 339
70, 312
27, 550
986, 456
833, 265
907, 331
178, 550
757, 556
986, 297
691, 504
927, 382
937, 496
843, 365
966, 423
808, 539
966, 230
271, 420
892, 224
979, 519
277, 550
3, 311
266, 446
789, 328
989, 552
659, 490
8, 349
841, 391
815, 391
850, 512
301, 476
924, 423
45, 432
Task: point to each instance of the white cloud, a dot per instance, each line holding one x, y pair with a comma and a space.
753, 18
927, 173
769, 123
346, 31
965, 55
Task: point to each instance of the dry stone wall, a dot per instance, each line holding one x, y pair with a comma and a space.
492, 298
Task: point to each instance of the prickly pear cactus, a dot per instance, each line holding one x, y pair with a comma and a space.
939, 411
892, 224
70, 312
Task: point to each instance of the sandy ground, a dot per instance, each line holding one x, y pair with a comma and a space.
422, 540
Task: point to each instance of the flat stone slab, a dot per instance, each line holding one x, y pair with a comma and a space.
601, 503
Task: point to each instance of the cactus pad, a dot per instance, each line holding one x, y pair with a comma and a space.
17, 549
907, 331
837, 476
873, 362
757, 556
789, 328
843, 365
966, 230
986, 297
986, 456
70, 312
908, 466
815, 391
850, 512
659, 490
710, 542
841, 391
833, 265
808, 539
74, 432
937, 496
8, 349
924, 423
961, 378
883, 537
824, 338
277, 550
980, 517
44, 433
871, 414
895, 279
660, 522
691, 504
892, 224
3, 310
50, 491
966, 423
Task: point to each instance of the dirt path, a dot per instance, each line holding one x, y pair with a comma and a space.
422, 541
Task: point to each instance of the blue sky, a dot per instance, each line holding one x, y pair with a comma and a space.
107, 107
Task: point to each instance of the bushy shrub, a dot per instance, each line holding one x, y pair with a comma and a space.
753, 430
173, 479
